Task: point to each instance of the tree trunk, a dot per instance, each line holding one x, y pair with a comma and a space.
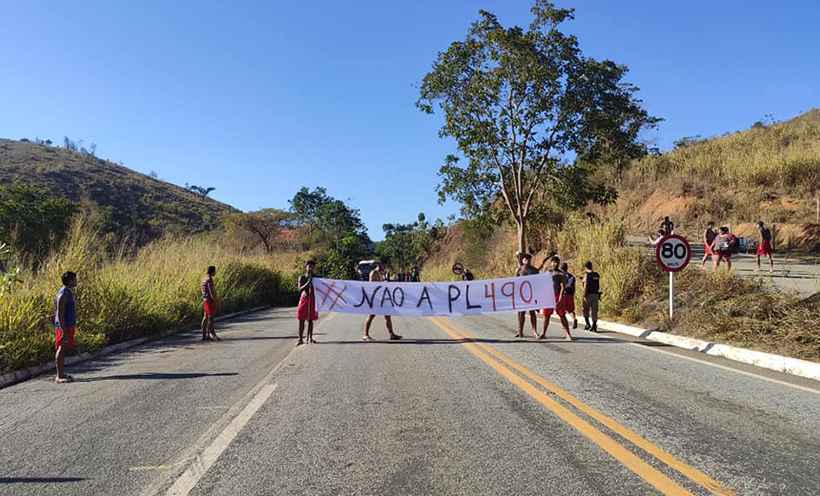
522, 235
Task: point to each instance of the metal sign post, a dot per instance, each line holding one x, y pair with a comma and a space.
671, 298
673, 254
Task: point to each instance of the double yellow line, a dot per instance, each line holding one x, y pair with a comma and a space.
523, 379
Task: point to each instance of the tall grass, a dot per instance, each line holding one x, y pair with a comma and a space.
783, 155
122, 296
624, 270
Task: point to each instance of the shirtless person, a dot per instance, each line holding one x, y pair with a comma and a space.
708, 238
526, 269
559, 286
378, 276
209, 306
764, 247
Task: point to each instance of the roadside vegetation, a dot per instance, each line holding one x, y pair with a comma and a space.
526, 181
719, 307
127, 290
769, 172
122, 295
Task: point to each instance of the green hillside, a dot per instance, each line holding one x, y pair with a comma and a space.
769, 172
125, 201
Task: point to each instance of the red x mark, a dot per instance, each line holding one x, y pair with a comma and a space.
331, 292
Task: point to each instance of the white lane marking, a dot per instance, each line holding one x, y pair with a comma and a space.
193, 451
711, 364
731, 369
206, 459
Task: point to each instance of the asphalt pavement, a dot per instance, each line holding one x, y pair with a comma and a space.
793, 272
457, 407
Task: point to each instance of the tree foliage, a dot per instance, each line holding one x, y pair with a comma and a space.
405, 244
200, 190
31, 220
327, 219
263, 225
530, 113
334, 227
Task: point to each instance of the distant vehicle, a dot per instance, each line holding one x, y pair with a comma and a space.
364, 268
745, 245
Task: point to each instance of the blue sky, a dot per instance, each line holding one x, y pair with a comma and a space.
260, 98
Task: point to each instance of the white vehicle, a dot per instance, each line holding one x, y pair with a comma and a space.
364, 268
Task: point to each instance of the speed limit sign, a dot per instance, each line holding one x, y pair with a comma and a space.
673, 253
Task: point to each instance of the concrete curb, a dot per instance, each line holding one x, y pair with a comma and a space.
25, 374
793, 366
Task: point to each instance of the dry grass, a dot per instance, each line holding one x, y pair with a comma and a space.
764, 173
719, 307
120, 297
784, 155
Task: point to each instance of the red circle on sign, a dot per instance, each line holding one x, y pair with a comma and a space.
673, 263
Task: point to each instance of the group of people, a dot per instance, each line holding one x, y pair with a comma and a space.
563, 282
65, 318
720, 244
307, 313
65, 306
412, 276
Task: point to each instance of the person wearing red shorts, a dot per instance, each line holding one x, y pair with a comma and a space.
65, 324
764, 247
708, 238
722, 248
306, 311
209, 305
559, 285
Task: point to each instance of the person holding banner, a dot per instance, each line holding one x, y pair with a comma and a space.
527, 269
306, 311
559, 286
377, 275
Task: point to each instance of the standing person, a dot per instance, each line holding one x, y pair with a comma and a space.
414, 275
667, 226
65, 324
708, 238
655, 241
306, 310
722, 248
558, 285
378, 276
592, 293
525, 269
569, 293
764, 247
209, 305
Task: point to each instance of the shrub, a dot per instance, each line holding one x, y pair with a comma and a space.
120, 297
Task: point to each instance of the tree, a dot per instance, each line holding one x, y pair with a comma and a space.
405, 244
200, 190
326, 218
264, 225
31, 219
528, 111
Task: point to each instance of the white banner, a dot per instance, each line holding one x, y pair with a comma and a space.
435, 298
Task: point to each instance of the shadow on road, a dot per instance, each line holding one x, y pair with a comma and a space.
157, 375
38, 480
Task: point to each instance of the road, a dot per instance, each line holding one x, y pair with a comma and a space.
457, 407
799, 273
